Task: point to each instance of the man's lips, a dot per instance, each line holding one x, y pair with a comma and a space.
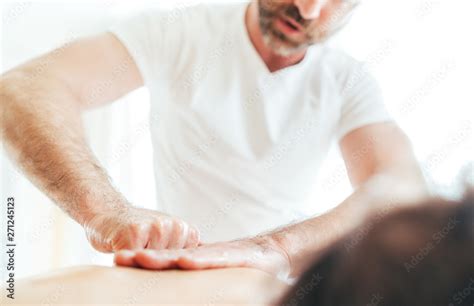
293, 23
288, 26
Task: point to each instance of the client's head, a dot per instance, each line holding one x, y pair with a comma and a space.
420, 256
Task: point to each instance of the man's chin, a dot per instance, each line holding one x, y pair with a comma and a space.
284, 51
282, 48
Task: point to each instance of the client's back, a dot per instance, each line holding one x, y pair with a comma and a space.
422, 256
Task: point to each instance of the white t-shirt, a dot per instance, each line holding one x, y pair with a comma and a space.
236, 147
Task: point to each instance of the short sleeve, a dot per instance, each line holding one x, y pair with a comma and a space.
362, 101
148, 40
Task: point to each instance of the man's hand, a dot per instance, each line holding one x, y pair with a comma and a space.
131, 228
257, 253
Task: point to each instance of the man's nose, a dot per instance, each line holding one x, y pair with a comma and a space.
310, 9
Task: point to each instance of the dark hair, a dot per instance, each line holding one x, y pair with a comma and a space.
421, 256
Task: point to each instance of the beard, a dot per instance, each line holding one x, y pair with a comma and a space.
312, 31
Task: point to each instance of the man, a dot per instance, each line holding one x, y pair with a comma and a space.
245, 103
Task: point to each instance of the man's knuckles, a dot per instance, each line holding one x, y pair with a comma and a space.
179, 228
193, 237
156, 228
136, 231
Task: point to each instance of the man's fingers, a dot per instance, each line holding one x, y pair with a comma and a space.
135, 228
97, 241
160, 235
211, 256
101, 246
125, 258
137, 238
198, 263
150, 259
179, 235
191, 259
193, 238
211, 259
155, 239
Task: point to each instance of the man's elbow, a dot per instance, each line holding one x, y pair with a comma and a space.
405, 184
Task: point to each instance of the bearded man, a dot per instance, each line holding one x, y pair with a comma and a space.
246, 100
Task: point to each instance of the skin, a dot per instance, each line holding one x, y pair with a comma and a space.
315, 21
94, 285
42, 131
41, 104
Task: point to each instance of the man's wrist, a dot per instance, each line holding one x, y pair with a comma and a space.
274, 242
92, 204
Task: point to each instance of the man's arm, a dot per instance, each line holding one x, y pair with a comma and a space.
384, 173
41, 105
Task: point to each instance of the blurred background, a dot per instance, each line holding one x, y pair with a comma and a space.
419, 50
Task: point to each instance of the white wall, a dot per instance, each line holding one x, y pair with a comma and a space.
420, 50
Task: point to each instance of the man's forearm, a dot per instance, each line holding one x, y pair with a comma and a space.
306, 241
42, 131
